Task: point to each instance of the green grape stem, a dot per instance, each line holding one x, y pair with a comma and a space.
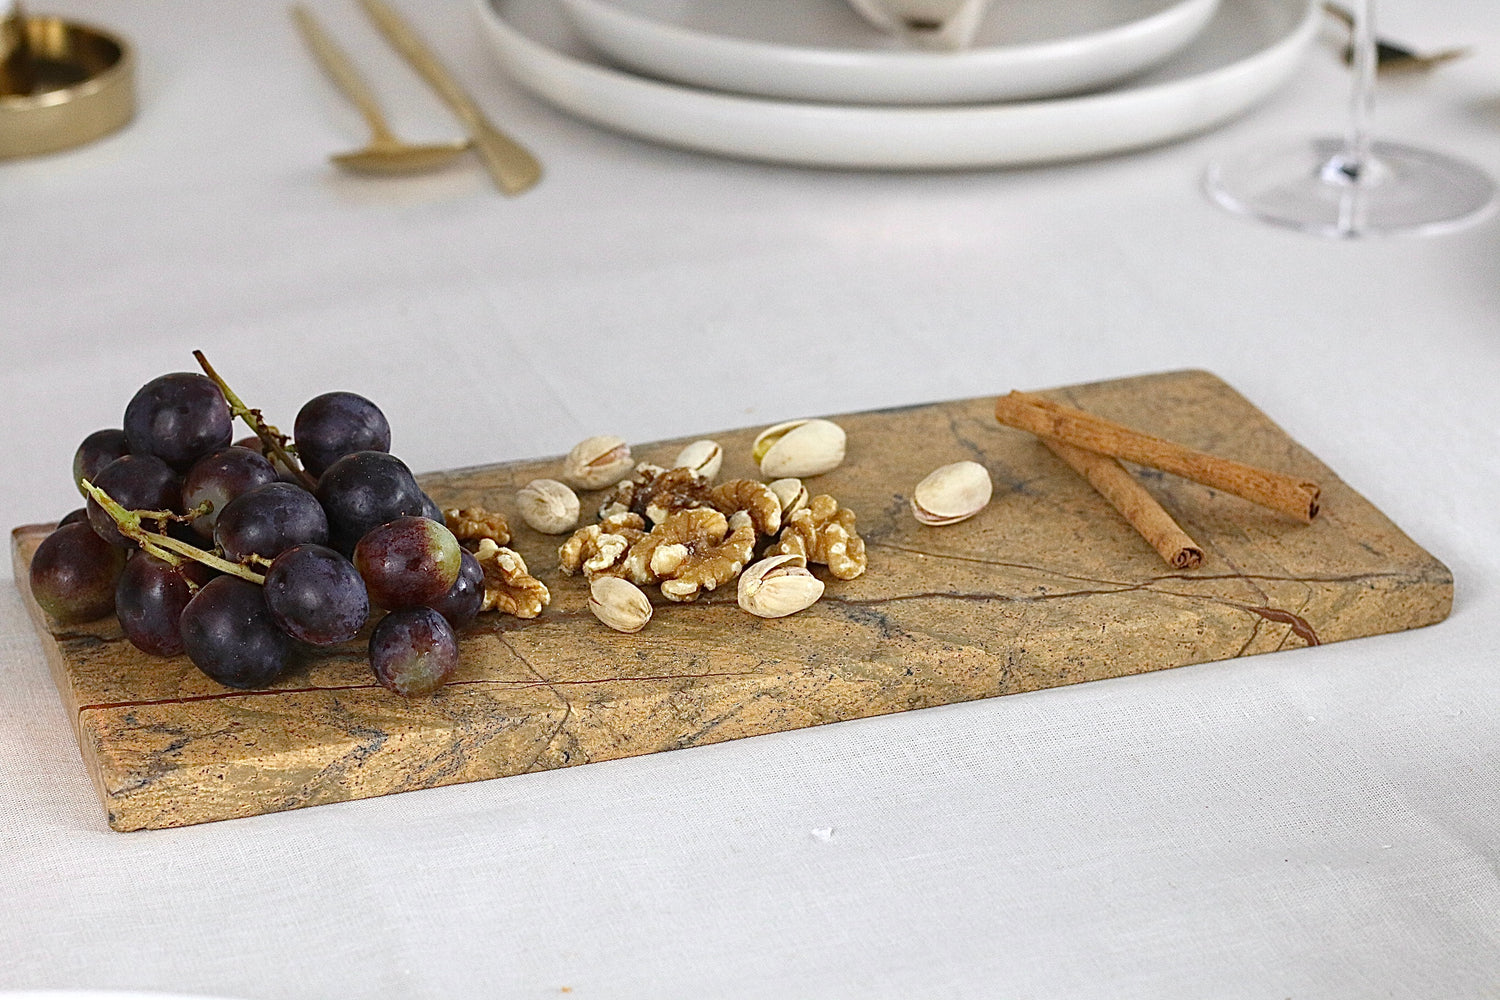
272, 439
163, 546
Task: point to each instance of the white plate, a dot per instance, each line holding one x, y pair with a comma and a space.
821, 50
1249, 49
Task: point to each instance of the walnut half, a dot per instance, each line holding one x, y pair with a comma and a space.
508, 587
754, 498
600, 549
654, 492
690, 552
472, 524
824, 532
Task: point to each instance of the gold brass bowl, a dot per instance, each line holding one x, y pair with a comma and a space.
79, 84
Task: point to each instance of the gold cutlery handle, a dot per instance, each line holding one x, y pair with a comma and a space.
510, 164
342, 71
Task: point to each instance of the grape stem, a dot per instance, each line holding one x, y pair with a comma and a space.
273, 440
163, 546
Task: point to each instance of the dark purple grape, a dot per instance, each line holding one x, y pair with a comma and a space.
432, 511
408, 562
413, 651
336, 424
219, 478
73, 574
230, 635
269, 520
258, 446
98, 450
255, 444
149, 600
461, 604
135, 482
363, 491
316, 595
178, 418
75, 516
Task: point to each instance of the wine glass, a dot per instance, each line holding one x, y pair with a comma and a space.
1354, 185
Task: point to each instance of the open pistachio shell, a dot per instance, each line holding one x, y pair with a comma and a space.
778, 586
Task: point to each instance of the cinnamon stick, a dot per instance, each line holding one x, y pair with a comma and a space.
1288, 495
1130, 498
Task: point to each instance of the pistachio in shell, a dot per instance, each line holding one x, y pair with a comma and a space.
952, 493
800, 448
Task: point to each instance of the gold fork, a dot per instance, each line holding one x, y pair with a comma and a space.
510, 164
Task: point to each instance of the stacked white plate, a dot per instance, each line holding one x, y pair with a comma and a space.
810, 82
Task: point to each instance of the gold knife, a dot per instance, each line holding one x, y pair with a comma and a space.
512, 167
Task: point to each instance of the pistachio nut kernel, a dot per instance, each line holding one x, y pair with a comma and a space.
800, 448
548, 506
619, 604
778, 586
704, 457
597, 462
952, 493
793, 496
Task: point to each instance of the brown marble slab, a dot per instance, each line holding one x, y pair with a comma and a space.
1048, 586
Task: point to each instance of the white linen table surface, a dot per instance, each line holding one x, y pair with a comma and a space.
1322, 823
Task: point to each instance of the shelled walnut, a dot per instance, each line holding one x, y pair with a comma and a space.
600, 549
654, 493
754, 498
508, 587
473, 524
690, 552
824, 532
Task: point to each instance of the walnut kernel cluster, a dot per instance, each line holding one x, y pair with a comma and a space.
508, 586
673, 528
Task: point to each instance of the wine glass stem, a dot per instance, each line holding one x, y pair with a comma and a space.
1352, 163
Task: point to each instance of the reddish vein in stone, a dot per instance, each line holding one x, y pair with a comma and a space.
1300, 627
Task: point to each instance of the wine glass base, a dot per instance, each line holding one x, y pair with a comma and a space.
1398, 190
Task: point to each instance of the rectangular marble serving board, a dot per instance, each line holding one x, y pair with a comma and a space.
1047, 586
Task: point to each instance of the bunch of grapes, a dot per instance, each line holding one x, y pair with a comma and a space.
244, 555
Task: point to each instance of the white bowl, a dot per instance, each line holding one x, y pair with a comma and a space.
820, 50
1251, 48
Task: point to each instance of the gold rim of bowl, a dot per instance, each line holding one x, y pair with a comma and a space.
86, 89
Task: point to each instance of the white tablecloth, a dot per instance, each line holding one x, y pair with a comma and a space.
1319, 823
